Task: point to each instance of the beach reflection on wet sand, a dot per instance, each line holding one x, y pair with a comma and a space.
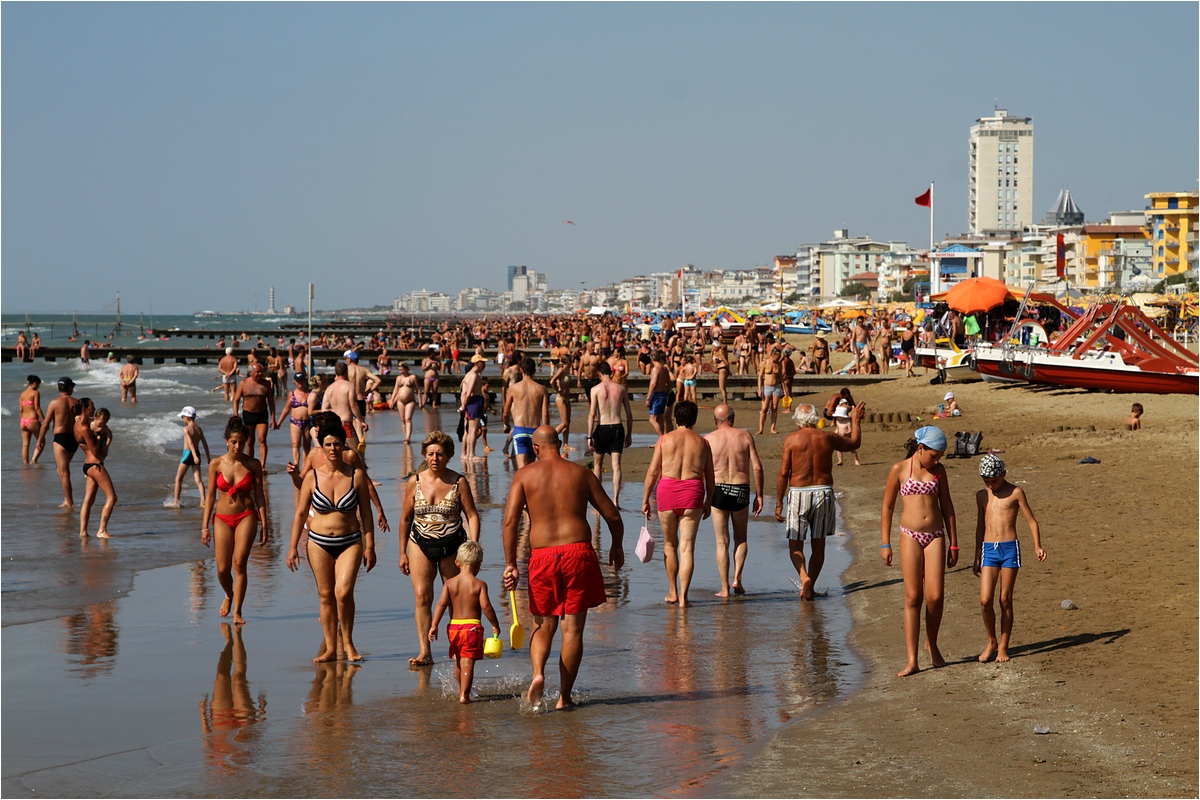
668, 697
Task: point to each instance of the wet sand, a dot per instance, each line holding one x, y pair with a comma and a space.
120, 679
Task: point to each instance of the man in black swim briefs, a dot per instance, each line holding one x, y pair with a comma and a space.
60, 418
734, 458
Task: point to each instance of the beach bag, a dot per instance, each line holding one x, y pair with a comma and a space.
645, 546
971, 326
973, 440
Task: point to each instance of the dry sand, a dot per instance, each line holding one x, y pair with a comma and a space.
1114, 680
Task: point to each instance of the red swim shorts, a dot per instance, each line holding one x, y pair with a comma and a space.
565, 579
466, 638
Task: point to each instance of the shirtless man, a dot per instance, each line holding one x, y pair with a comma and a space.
806, 474
526, 408
734, 457
339, 398
85, 354
258, 408
404, 397
564, 572
129, 376
861, 338
228, 367
608, 408
588, 376
682, 467
60, 419
658, 393
560, 384
364, 382
472, 403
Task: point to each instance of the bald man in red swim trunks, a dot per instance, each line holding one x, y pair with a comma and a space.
564, 572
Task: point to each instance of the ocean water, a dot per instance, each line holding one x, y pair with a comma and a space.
120, 680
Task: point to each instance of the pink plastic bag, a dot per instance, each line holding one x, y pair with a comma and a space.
645, 546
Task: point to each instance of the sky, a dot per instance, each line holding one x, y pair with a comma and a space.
193, 155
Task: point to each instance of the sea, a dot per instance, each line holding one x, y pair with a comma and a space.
120, 679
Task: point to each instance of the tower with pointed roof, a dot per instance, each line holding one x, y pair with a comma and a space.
1065, 212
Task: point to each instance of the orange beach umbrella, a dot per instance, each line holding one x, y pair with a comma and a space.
976, 294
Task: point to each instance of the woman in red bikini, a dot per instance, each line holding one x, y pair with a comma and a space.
31, 419
926, 520
234, 508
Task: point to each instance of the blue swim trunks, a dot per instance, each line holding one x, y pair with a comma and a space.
1005, 555
188, 458
658, 403
522, 439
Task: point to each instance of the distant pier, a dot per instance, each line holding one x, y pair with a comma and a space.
738, 387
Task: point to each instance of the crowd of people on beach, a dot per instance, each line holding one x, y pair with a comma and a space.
690, 478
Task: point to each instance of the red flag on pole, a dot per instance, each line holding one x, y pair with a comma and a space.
926, 199
1060, 256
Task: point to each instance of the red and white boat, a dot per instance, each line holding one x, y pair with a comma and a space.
1113, 347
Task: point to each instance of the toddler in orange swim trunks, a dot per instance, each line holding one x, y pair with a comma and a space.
467, 598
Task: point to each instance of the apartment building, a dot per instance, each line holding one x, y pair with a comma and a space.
1000, 173
1171, 227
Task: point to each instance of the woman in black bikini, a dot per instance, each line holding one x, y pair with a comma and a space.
234, 507
341, 536
95, 475
435, 503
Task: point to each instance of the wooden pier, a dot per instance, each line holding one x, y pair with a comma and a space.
738, 387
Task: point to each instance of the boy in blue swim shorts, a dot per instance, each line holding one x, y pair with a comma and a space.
997, 551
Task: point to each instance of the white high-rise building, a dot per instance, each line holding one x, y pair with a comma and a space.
1000, 179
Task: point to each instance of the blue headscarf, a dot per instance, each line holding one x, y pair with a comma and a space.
932, 437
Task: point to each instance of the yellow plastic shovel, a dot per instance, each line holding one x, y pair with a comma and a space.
516, 634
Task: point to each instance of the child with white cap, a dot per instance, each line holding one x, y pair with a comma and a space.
997, 551
950, 406
193, 437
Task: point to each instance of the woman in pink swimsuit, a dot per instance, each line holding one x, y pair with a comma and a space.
31, 419
926, 520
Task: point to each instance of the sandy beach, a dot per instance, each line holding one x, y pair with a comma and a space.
1114, 680
786, 712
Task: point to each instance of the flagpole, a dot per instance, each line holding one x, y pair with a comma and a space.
931, 216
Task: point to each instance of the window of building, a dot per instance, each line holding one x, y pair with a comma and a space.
1173, 202
1014, 159
1015, 195
1161, 252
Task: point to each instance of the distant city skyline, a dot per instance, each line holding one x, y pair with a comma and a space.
192, 156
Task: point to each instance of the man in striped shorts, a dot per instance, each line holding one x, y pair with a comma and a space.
806, 473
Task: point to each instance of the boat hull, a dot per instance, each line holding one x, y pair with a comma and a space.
1107, 372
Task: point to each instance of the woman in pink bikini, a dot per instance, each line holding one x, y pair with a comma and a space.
926, 520
235, 508
31, 419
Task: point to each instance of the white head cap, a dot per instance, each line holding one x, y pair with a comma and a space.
949, 396
188, 412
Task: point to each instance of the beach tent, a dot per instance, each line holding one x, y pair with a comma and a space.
775, 308
842, 302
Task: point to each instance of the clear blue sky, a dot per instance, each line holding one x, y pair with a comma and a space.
193, 155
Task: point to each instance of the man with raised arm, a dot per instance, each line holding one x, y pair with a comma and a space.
564, 572
806, 474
